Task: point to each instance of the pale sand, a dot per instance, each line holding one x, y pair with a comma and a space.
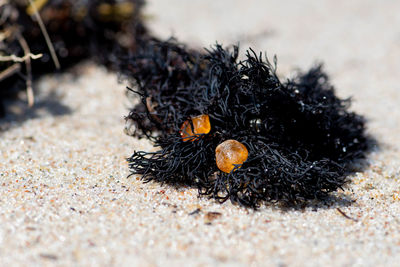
65, 199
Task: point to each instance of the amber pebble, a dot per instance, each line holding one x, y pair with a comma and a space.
201, 125
230, 153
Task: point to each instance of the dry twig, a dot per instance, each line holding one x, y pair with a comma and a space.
29, 90
46, 35
14, 58
10, 71
345, 215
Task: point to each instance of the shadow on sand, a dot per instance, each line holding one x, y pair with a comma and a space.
46, 104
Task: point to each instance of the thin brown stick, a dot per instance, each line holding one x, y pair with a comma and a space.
29, 90
345, 215
10, 71
46, 36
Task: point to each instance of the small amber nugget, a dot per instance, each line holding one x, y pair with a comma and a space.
201, 125
230, 153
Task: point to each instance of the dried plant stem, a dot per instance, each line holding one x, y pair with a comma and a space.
10, 71
27, 51
20, 59
46, 35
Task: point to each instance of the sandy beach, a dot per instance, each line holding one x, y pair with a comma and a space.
65, 199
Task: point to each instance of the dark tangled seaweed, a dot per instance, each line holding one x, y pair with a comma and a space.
301, 138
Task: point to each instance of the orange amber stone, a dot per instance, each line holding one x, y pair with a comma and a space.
201, 125
230, 153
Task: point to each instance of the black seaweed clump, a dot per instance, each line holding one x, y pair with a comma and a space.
301, 138
78, 29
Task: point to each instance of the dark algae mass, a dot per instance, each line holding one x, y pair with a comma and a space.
55, 34
289, 141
